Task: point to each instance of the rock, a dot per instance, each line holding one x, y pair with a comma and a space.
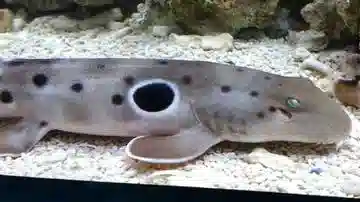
312, 63
352, 187
219, 42
161, 31
6, 17
347, 92
269, 160
351, 64
114, 25
288, 187
332, 16
19, 20
116, 14
94, 2
123, 32
6, 39
208, 17
310, 39
34, 6
63, 23
96, 21
301, 54
185, 40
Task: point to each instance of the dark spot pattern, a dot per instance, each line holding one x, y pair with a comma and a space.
77, 87
358, 60
40, 80
163, 62
225, 88
6, 97
260, 115
101, 66
186, 79
129, 80
267, 78
16, 62
286, 113
117, 99
239, 69
43, 124
254, 93
272, 109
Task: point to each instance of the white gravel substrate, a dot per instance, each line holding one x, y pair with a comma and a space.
280, 168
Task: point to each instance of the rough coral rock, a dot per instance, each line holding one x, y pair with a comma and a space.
6, 17
333, 16
214, 16
45, 5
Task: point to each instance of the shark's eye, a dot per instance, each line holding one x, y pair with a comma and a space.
293, 102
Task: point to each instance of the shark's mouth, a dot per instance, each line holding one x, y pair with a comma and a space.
154, 97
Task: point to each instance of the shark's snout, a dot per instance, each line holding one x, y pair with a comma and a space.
154, 98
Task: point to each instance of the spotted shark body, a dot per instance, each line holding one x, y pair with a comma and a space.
175, 109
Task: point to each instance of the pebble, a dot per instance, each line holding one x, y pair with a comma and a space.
160, 31
269, 160
352, 187
114, 25
301, 54
184, 40
18, 24
122, 32
54, 157
116, 14
63, 23
288, 187
310, 39
6, 39
220, 42
313, 64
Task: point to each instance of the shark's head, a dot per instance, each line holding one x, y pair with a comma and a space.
276, 109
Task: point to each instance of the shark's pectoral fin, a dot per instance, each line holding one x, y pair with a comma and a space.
172, 149
19, 137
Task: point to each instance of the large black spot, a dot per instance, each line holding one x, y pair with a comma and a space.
40, 80
117, 99
6, 97
77, 87
225, 89
186, 79
129, 80
154, 97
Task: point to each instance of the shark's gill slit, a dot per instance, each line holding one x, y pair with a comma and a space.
154, 97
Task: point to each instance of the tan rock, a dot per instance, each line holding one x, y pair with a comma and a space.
6, 17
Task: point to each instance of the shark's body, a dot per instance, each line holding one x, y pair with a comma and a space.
176, 109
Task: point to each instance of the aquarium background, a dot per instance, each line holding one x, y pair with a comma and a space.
316, 39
